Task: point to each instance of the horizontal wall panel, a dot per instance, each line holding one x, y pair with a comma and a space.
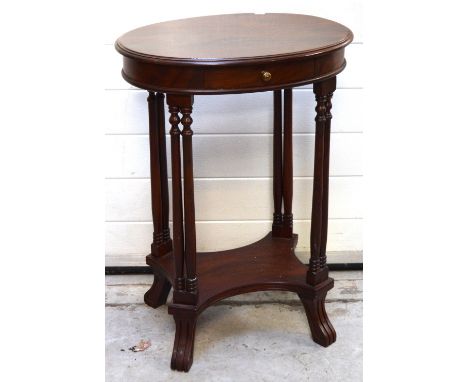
233, 199
143, 12
351, 77
135, 238
127, 112
234, 155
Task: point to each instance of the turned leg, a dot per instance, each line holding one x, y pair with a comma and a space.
321, 328
177, 213
185, 295
318, 270
184, 241
189, 202
157, 294
282, 165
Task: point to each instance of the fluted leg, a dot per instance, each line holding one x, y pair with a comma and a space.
318, 270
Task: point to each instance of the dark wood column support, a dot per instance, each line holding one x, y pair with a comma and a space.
277, 163
189, 203
183, 209
163, 169
162, 244
177, 212
156, 202
185, 295
288, 165
318, 270
282, 165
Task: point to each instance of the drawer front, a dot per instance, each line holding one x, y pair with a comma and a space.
205, 79
273, 75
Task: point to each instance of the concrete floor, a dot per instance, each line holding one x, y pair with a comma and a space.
260, 336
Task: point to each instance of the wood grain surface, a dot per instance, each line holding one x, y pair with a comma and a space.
234, 37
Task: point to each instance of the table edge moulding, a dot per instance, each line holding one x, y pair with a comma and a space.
240, 53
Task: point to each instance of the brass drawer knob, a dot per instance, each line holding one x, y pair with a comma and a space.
266, 76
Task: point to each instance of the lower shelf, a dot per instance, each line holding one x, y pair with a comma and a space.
268, 264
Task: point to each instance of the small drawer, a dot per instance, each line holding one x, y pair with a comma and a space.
272, 75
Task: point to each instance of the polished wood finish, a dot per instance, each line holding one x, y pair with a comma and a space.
232, 54
163, 168
268, 264
234, 38
155, 172
321, 328
318, 270
189, 203
277, 163
282, 164
157, 294
177, 211
162, 242
288, 164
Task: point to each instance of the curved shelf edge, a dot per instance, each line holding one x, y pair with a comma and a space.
299, 289
265, 265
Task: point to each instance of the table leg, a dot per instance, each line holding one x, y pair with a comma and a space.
288, 164
163, 171
277, 163
321, 328
318, 270
177, 213
157, 294
155, 173
186, 289
282, 165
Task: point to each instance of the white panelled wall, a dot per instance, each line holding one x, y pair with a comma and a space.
233, 148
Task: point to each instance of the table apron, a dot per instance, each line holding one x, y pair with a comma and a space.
215, 79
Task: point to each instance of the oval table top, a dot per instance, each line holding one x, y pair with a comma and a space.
235, 37
227, 41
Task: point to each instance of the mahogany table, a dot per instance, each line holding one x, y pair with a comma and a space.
224, 54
